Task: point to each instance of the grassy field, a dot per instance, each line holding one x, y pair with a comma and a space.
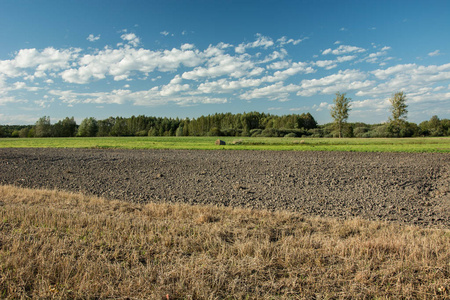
235, 143
62, 245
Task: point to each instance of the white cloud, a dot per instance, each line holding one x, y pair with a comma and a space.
275, 91
225, 86
343, 49
92, 38
211, 75
279, 65
165, 33
434, 53
49, 59
121, 63
220, 64
376, 104
10, 99
376, 56
322, 106
131, 38
342, 81
331, 64
261, 41
411, 78
284, 40
187, 47
328, 64
274, 56
17, 119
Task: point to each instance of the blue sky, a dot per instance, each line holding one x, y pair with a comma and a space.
190, 58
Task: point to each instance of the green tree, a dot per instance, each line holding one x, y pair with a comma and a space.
23, 133
69, 127
88, 127
179, 131
399, 107
43, 128
105, 126
399, 112
339, 111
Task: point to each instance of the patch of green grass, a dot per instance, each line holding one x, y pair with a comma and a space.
441, 145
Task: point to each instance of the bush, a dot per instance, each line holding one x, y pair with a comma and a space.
290, 135
255, 132
141, 133
23, 133
360, 131
15, 133
270, 132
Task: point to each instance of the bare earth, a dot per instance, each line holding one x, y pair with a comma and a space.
407, 188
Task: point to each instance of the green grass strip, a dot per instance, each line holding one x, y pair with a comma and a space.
435, 145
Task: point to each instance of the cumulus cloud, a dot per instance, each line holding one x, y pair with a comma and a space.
410, 78
261, 41
131, 39
331, 64
10, 99
121, 63
220, 63
92, 38
31, 64
284, 40
275, 91
343, 49
342, 81
322, 106
186, 75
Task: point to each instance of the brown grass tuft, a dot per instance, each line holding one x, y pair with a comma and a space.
62, 245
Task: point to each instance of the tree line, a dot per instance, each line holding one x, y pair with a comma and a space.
245, 124
219, 124
397, 125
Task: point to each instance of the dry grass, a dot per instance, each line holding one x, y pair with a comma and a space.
62, 245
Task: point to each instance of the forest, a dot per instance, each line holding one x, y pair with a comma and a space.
222, 124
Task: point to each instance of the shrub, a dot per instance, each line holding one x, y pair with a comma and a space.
290, 135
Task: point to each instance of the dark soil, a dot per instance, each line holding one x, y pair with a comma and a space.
408, 188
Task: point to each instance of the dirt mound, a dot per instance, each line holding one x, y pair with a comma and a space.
409, 188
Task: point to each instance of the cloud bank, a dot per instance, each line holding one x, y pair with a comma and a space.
221, 73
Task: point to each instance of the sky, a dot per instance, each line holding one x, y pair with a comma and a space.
184, 59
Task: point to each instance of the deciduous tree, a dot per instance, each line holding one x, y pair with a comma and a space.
43, 128
88, 127
340, 110
399, 113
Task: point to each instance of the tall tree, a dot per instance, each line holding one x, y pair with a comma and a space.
399, 107
399, 110
339, 111
43, 127
88, 127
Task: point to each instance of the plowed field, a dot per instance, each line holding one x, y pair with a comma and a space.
400, 187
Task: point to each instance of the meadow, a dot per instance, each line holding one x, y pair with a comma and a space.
436, 145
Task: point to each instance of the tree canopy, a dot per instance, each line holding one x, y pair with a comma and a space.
339, 111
